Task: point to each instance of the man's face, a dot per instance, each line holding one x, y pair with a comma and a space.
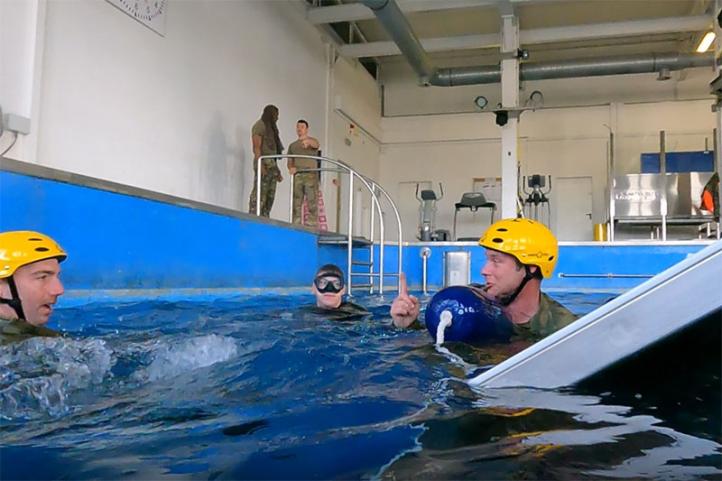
39, 287
502, 273
327, 300
301, 130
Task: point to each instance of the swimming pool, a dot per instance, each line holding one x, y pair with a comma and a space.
251, 387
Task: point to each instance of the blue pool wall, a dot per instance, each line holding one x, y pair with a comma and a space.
120, 241
119, 237
591, 266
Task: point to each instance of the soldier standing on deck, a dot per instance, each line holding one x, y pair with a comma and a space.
264, 135
305, 184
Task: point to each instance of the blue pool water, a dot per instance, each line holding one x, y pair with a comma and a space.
254, 388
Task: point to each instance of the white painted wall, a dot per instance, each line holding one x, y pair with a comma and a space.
173, 114
565, 142
21, 52
111, 99
436, 134
687, 125
17, 44
454, 164
355, 132
451, 149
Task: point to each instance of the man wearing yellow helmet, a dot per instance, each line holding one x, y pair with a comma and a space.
519, 254
29, 284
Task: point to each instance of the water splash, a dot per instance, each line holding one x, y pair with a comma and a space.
172, 360
39, 375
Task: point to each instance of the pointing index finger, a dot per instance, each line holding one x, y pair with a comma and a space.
403, 288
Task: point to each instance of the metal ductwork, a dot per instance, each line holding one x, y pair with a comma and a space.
621, 65
451, 77
397, 26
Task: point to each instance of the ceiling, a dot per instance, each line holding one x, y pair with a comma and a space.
550, 30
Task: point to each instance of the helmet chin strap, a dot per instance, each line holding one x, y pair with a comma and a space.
505, 301
14, 301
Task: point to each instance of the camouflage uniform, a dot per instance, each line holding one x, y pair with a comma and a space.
550, 317
19, 330
305, 184
347, 311
272, 174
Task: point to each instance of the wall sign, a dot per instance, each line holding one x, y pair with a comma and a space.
150, 13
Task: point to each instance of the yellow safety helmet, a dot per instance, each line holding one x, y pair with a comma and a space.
529, 241
23, 247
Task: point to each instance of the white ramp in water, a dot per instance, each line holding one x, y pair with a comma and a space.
664, 304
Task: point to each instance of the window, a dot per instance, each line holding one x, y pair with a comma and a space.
702, 161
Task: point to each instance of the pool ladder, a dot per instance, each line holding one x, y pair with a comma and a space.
375, 274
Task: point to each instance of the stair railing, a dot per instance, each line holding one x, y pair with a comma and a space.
372, 187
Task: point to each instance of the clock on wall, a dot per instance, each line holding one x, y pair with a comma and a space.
150, 13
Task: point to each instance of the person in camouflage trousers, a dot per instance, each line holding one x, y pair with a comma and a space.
305, 184
270, 176
266, 141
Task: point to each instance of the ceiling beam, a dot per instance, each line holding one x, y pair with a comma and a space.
332, 36
616, 29
699, 7
539, 36
356, 11
438, 44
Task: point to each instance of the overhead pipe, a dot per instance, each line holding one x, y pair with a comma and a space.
451, 77
397, 26
620, 65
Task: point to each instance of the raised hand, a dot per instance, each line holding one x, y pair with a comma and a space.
405, 308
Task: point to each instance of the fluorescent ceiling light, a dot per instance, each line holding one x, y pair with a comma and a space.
706, 42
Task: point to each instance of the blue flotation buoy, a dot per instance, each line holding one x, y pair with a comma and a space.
472, 318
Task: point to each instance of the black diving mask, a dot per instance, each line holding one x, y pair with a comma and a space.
328, 283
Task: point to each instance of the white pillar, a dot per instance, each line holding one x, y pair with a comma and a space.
509, 100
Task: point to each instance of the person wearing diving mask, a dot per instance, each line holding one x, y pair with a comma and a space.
329, 288
519, 254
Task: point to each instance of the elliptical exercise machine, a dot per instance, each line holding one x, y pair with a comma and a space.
537, 197
427, 215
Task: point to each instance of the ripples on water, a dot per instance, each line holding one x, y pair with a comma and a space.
253, 388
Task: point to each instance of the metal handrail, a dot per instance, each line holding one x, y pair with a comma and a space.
425, 254
371, 186
372, 223
400, 239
